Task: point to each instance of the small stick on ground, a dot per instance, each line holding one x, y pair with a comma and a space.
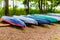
4, 25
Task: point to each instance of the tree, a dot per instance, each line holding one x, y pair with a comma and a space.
6, 8
13, 7
26, 4
39, 5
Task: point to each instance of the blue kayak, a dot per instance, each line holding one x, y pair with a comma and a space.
13, 21
39, 20
26, 19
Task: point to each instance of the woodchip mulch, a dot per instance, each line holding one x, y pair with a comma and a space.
50, 32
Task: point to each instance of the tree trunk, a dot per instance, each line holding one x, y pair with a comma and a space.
47, 6
26, 3
13, 6
6, 8
51, 5
44, 6
39, 5
27, 10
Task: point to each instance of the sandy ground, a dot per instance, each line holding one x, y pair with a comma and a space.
51, 32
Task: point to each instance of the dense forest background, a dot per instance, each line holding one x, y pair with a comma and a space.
24, 7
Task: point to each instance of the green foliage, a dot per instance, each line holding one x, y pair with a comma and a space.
17, 11
34, 0
21, 11
34, 11
56, 11
1, 12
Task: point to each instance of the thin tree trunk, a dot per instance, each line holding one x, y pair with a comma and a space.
51, 5
13, 6
26, 3
39, 5
47, 6
6, 8
44, 6
27, 10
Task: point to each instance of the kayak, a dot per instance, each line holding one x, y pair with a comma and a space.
56, 17
39, 20
51, 19
40, 17
27, 20
54, 14
13, 21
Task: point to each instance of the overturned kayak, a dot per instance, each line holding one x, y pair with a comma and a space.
51, 19
13, 21
58, 18
39, 20
54, 14
41, 17
27, 20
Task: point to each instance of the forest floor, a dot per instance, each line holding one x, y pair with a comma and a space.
51, 32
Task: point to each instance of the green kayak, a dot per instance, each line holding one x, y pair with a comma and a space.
53, 20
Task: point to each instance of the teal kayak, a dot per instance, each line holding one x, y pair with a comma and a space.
53, 20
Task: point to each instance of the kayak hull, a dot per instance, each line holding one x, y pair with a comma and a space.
13, 21
51, 19
39, 20
27, 20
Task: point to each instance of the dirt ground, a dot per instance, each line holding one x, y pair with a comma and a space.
51, 32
